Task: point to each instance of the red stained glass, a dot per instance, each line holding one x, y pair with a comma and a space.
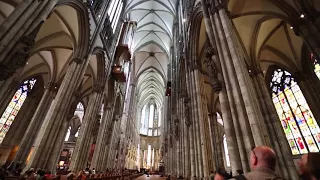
14, 106
297, 120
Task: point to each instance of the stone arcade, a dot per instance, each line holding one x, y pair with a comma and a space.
181, 87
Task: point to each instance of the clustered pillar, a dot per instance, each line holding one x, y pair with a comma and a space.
81, 152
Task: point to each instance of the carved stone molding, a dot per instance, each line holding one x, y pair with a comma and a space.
20, 56
212, 69
52, 86
254, 72
98, 88
222, 4
187, 112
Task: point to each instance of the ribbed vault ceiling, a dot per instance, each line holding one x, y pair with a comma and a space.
152, 42
272, 40
55, 45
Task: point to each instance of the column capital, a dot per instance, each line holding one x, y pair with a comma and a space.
253, 71
217, 6
52, 86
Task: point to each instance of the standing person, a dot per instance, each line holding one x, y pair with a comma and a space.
262, 163
309, 168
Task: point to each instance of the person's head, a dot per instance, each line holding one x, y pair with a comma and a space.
262, 156
308, 166
221, 174
239, 171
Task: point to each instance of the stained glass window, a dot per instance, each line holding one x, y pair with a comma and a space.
151, 116
297, 120
149, 120
226, 152
14, 106
316, 65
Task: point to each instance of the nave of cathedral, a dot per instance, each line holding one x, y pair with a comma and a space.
180, 88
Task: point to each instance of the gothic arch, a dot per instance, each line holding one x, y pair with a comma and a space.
84, 35
194, 32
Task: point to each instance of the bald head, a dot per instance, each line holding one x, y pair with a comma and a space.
263, 156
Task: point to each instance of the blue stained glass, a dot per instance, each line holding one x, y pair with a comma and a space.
14, 106
297, 120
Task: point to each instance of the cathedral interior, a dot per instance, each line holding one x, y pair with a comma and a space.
181, 87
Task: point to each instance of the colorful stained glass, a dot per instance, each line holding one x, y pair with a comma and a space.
14, 106
297, 120
316, 65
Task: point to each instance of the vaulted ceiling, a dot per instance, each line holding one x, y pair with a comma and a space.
152, 43
7, 7
55, 46
266, 34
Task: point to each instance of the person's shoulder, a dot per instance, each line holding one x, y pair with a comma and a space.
262, 176
239, 177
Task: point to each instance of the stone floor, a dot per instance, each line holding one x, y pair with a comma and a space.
151, 177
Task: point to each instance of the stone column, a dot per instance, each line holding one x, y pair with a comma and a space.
98, 160
31, 10
201, 110
56, 113
195, 156
214, 142
227, 110
187, 152
81, 152
126, 119
189, 139
36, 122
278, 140
16, 44
12, 18
112, 148
57, 146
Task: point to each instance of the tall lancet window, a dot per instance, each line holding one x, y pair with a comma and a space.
226, 152
316, 64
297, 120
14, 106
144, 119
151, 116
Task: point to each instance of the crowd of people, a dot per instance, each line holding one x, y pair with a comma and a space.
263, 167
14, 169
262, 163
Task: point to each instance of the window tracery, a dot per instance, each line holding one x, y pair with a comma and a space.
114, 12
149, 120
297, 120
316, 65
14, 107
